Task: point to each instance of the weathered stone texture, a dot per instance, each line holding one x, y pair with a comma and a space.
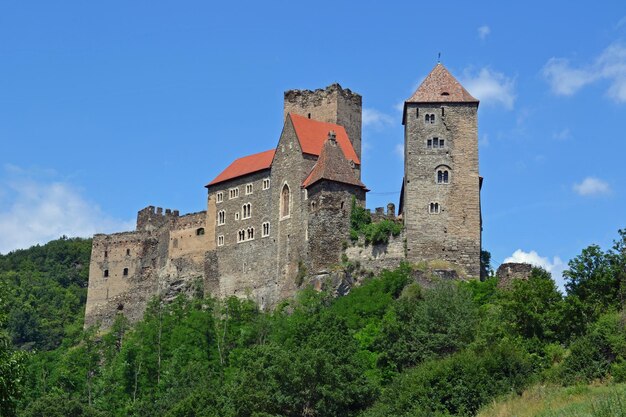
169, 254
509, 272
454, 234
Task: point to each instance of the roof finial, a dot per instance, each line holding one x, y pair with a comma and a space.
439, 58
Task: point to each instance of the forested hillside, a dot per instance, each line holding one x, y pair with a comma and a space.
389, 348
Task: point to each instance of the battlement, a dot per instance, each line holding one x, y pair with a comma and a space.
151, 217
316, 96
380, 214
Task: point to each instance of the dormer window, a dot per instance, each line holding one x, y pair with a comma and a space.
445, 93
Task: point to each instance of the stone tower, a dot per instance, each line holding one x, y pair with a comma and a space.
441, 197
331, 105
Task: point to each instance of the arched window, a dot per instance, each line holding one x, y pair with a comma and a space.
443, 176
434, 208
200, 231
284, 201
429, 118
221, 217
246, 210
250, 233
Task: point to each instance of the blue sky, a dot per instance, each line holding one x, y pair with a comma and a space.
107, 107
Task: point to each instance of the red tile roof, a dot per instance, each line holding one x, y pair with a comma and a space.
441, 86
333, 166
312, 135
244, 166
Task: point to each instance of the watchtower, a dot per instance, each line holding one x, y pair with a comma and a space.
441, 198
332, 104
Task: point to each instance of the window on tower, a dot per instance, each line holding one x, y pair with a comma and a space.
429, 118
434, 208
443, 176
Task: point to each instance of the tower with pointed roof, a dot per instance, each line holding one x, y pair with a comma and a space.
441, 189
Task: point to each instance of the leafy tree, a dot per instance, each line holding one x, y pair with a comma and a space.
532, 307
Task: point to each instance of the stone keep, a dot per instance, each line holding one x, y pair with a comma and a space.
441, 189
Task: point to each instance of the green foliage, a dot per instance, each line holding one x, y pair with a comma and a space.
48, 289
441, 323
374, 233
390, 347
598, 279
592, 355
457, 385
532, 307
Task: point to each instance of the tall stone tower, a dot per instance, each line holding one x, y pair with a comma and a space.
332, 105
441, 197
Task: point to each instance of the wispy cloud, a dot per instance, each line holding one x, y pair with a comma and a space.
376, 119
35, 211
566, 79
555, 266
483, 31
399, 150
490, 87
592, 186
562, 134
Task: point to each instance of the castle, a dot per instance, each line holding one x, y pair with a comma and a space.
285, 212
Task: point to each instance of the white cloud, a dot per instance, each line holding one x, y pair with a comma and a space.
566, 79
591, 186
33, 212
375, 118
563, 134
483, 31
622, 22
555, 266
490, 87
399, 150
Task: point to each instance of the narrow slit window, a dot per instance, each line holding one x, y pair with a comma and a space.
106, 273
125, 272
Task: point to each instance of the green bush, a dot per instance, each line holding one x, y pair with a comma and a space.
374, 233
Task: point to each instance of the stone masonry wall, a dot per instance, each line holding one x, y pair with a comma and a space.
328, 230
455, 233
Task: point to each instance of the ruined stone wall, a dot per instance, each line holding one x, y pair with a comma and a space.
375, 258
329, 206
188, 238
332, 105
128, 269
509, 272
128, 293
454, 234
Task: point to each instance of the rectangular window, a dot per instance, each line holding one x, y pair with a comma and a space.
429, 143
435, 143
233, 193
441, 143
219, 197
266, 184
220, 241
248, 189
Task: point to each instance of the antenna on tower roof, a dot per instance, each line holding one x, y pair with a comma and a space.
439, 58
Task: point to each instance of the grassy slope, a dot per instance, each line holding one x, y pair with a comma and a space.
552, 401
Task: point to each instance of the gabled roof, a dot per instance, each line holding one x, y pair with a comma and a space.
312, 134
439, 87
332, 166
244, 166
